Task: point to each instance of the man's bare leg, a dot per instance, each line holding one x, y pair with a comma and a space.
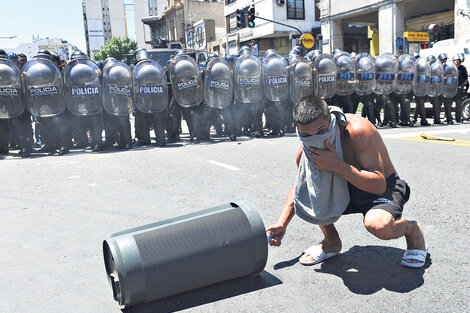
331, 243
382, 225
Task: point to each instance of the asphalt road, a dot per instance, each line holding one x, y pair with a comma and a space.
55, 212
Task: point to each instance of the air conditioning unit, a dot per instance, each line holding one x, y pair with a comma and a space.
280, 2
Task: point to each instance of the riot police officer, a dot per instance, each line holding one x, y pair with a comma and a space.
421, 82
84, 99
150, 97
218, 94
435, 87
276, 90
462, 82
187, 86
117, 102
44, 90
249, 104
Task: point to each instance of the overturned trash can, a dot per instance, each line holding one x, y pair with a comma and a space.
165, 258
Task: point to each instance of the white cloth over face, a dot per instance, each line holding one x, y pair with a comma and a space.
320, 197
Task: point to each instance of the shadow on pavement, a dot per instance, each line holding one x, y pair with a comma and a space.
287, 263
194, 298
366, 270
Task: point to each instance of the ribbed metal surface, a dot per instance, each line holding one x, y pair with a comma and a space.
168, 257
183, 254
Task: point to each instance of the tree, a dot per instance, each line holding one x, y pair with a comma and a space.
116, 47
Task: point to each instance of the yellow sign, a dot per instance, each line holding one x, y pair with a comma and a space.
307, 41
416, 36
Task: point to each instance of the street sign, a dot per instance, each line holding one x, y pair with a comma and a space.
307, 41
416, 36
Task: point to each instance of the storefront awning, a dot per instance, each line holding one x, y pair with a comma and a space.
421, 23
152, 19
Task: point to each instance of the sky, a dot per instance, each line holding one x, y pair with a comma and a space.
48, 18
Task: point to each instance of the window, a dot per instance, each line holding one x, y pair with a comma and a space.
199, 36
230, 1
295, 9
191, 39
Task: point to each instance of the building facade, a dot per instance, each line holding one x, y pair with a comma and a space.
379, 26
179, 19
103, 19
302, 14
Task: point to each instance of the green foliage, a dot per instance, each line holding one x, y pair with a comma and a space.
116, 48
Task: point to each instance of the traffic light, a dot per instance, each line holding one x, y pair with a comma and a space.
251, 17
240, 18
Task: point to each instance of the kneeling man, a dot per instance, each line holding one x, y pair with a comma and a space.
343, 168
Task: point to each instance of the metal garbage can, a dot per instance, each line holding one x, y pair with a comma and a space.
165, 258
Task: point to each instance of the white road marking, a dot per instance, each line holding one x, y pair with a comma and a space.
428, 132
233, 168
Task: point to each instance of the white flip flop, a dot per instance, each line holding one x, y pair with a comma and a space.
317, 254
418, 255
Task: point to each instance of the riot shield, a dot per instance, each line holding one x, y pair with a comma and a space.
186, 81
117, 88
422, 77
275, 77
11, 93
150, 87
83, 87
247, 79
300, 79
346, 74
450, 84
324, 76
405, 75
436, 82
386, 68
44, 88
218, 86
365, 74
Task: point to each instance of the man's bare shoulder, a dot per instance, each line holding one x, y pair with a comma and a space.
359, 130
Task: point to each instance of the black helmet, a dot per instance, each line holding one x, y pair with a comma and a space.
44, 54
442, 56
3, 54
297, 50
78, 55
12, 56
212, 55
142, 54
245, 50
415, 55
269, 52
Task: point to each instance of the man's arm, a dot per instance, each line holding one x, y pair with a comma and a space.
277, 231
367, 173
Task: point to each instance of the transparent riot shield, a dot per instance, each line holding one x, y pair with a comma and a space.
450, 84
422, 77
405, 75
186, 81
218, 85
117, 88
83, 87
386, 68
324, 76
300, 79
275, 77
11, 92
436, 81
365, 74
44, 88
247, 79
150, 87
346, 74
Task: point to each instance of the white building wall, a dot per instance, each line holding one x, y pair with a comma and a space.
142, 31
462, 19
117, 14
